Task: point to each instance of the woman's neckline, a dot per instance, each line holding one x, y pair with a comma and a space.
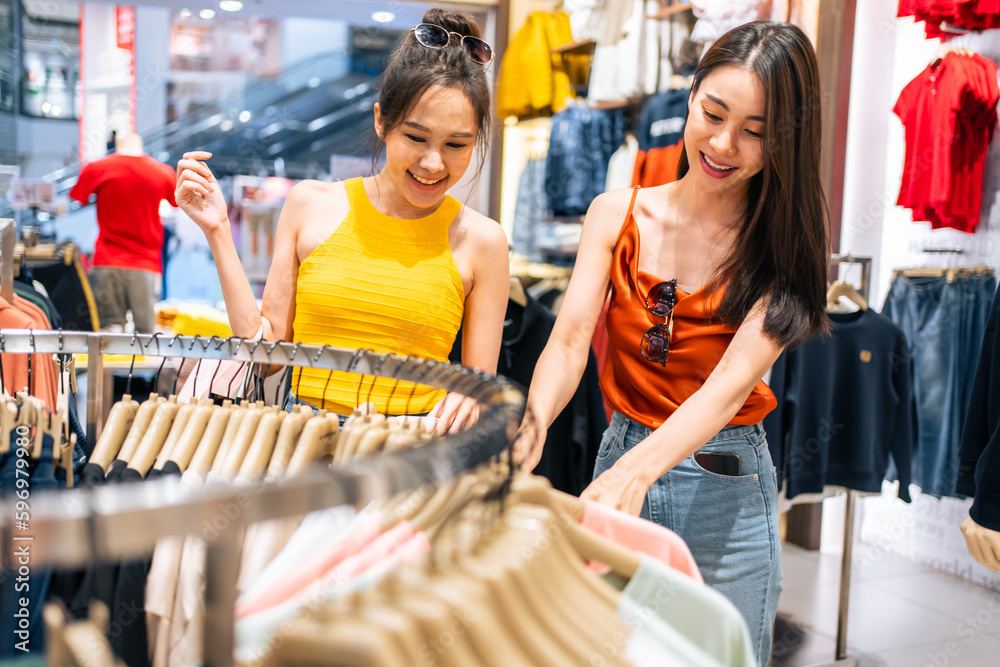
371, 205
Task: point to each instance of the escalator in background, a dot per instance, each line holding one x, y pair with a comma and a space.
289, 125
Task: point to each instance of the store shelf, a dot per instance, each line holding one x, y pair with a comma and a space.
672, 10
585, 47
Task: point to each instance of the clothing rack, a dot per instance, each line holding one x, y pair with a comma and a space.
845, 562
77, 527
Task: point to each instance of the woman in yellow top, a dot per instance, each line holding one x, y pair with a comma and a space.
388, 262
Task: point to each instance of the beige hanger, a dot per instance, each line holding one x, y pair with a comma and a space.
176, 429
232, 427
187, 444
208, 447
113, 436
318, 437
259, 455
143, 418
241, 442
288, 435
154, 437
841, 289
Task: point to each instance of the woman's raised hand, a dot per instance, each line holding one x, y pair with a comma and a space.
198, 193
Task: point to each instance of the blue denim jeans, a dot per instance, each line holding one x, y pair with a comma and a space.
938, 319
291, 400
730, 523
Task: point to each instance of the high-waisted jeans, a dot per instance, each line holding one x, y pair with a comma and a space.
730, 523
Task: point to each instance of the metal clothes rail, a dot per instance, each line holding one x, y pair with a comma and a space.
76, 527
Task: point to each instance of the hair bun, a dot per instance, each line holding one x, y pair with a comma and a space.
460, 22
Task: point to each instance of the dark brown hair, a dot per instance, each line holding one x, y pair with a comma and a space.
782, 248
413, 68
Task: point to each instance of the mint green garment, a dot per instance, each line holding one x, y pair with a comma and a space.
658, 595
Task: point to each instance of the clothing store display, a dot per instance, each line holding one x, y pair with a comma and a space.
944, 321
129, 189
581, 143
730, 523
661, 138
641, 536
534, 79
341, 300
845, 408
979, 455
626, 59
572, 439
696, 346
622, 164
66, 284
949, 115
530, 209
944, 18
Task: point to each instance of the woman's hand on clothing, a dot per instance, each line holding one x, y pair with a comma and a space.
198, 193
618, 487
455, 413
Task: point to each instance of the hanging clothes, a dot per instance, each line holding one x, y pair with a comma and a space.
941, 17
581, 144
534, 80
661, 138
944, 322
845, 408
530, 209
979, 455
949, 115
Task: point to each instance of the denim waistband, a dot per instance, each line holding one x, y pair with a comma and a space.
730, 432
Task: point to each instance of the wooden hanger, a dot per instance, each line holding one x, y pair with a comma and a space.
258, 457
176, 429
112, 438
154, 437
288, 436
517, 293
186, 445
210, 443
143, 418
241, 441
841, 289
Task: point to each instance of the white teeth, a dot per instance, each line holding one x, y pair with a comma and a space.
424, 181
717, 166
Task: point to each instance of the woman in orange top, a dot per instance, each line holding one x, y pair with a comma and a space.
390, 262
730, 270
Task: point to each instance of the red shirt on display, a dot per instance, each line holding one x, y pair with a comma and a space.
129, 189
949, 114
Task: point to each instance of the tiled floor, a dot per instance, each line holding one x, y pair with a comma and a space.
902, 614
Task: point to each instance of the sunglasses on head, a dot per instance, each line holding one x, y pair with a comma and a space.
655, 344
435, 37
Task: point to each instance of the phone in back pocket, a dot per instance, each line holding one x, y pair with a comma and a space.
721, 463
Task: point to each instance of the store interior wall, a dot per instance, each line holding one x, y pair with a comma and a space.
152, 67
888, 54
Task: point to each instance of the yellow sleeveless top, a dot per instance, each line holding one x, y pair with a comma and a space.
384, 284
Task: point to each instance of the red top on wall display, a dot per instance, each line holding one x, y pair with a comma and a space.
125, 27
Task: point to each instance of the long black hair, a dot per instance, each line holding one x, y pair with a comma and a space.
781, 251
413, 68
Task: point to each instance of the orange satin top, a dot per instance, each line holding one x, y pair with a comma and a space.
642, 390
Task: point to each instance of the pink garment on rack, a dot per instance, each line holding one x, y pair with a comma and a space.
365, 532
392, 548
640, 535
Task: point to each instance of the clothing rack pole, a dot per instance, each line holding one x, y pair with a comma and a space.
7, 241
75, 527
844, 602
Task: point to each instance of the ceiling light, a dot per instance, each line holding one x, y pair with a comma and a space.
185, 13
207, 14
244, 116
383, 17
230, 5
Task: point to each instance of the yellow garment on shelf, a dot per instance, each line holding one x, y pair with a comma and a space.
384, 284
533, 79
190, 319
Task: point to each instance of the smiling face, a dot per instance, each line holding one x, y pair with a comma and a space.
724, 135
428, 153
